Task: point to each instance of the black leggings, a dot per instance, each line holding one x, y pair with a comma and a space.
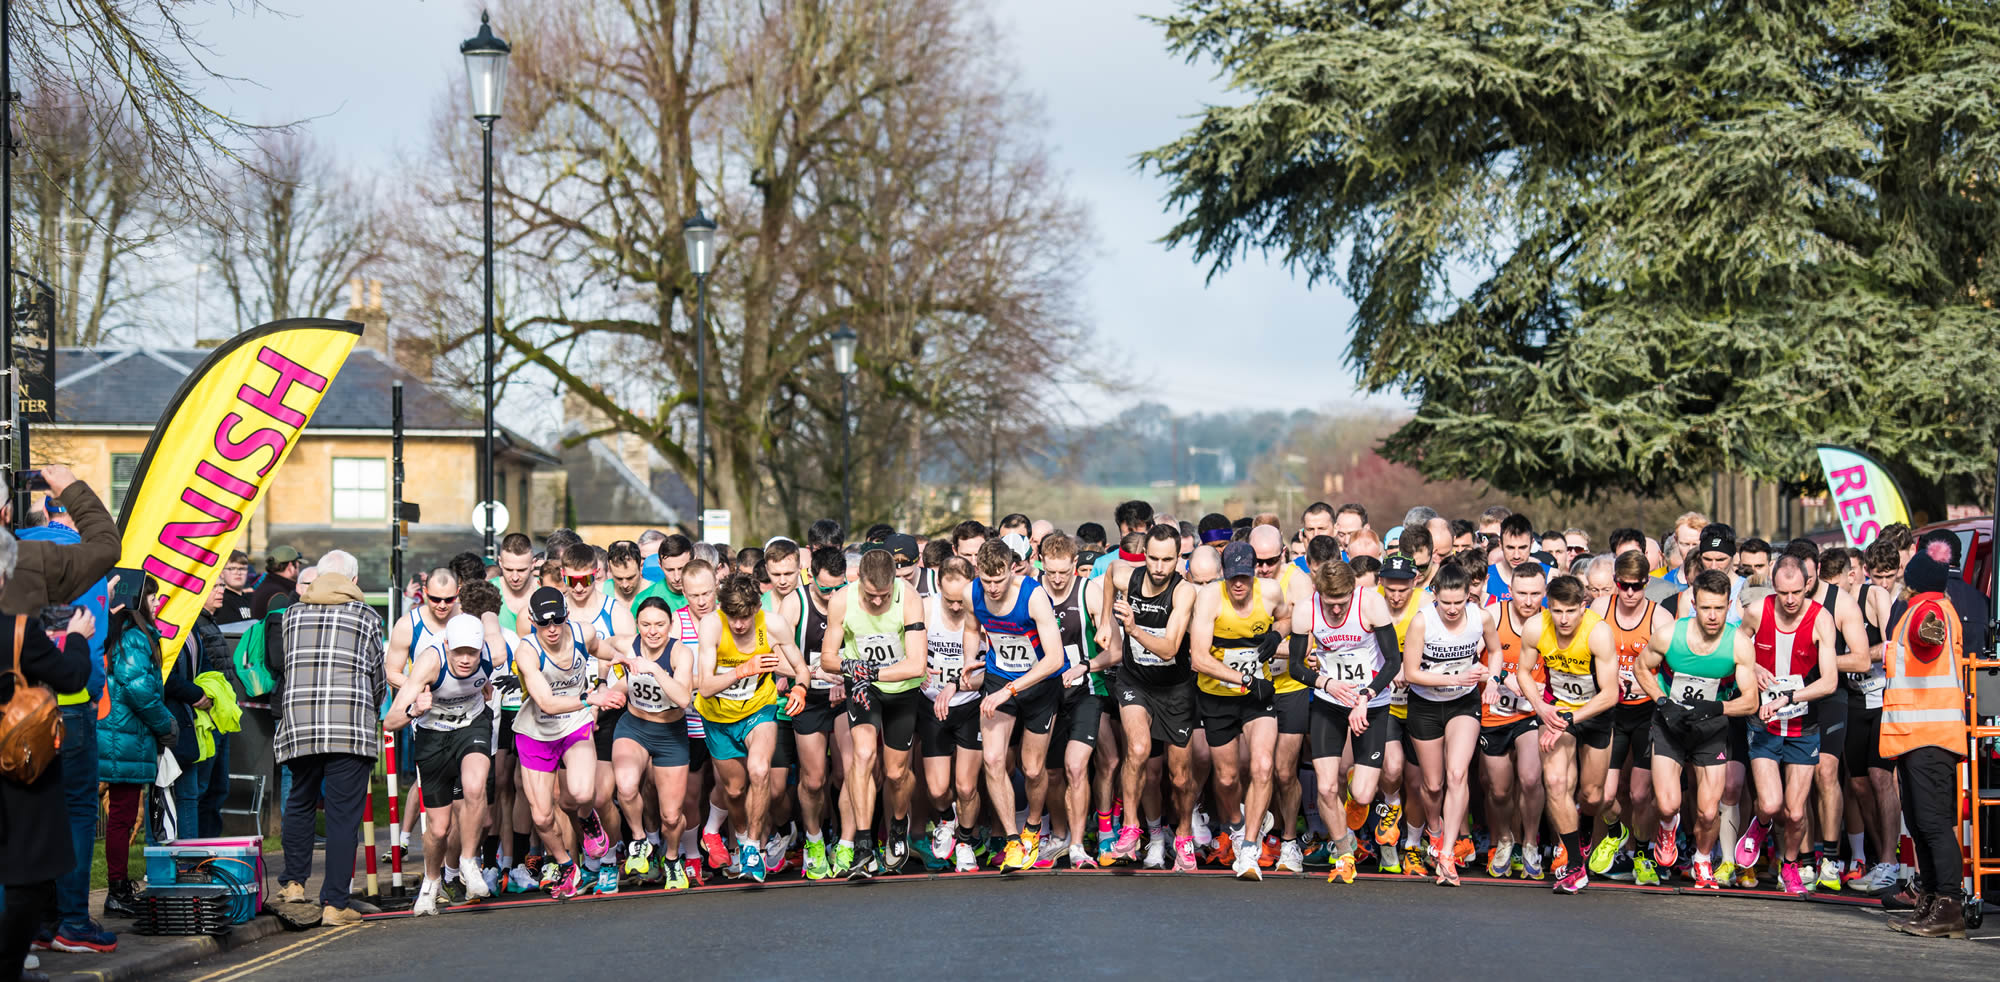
28, 905
1929, 778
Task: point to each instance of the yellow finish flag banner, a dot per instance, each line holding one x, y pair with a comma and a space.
212, 455
1864, 495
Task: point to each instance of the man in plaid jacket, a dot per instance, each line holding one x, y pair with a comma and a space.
330, 732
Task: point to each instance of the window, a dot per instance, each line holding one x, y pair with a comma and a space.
360, 489
124, 467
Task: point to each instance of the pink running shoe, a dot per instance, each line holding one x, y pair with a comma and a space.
1184, 854
1751, 845
1126, 849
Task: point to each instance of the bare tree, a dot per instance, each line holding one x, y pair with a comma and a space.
87, 202
292, 228
868, 164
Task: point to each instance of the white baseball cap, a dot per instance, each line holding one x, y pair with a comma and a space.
464, 631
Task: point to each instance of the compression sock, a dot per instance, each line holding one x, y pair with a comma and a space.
716, 817
1573, 841
1856, 846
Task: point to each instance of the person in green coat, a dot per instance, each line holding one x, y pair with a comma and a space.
131, 735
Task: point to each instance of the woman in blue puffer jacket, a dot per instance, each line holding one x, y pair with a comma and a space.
130, 737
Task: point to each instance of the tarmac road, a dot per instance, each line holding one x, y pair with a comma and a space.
1147, 926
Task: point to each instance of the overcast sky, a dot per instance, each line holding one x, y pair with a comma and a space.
367, 72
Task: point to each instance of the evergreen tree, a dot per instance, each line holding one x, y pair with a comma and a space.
1616, 246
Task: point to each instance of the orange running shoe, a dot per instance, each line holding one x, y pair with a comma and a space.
1268, 856
1357, 814
1463, 851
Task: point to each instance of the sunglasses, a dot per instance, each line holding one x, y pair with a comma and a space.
824, 590
1631, 585
578, 579
434, 598
1272, 561
558, 622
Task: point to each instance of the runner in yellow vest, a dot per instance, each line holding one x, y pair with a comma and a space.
742, 648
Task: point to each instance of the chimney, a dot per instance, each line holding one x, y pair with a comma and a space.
417, 356
373, 319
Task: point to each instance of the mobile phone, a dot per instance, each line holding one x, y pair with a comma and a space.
33, 480
55, 619
130, 581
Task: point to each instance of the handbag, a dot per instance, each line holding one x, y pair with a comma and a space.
30, 722
163, 810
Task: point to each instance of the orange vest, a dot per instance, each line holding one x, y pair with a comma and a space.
1924, 705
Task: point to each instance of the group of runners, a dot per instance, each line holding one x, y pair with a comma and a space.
1446, 697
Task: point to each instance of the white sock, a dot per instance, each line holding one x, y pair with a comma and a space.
1856, 847
716, 817
847, 843
450, 873
1392, 800
506, 862
653, 838
817, 837
690, 842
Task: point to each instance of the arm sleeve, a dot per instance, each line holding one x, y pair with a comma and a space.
1392, 657
1300, 672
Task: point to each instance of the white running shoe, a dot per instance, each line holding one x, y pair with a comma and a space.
1291, 858
1880, 879
1080, 858
963, 859
1245, 865
427, 899
475, 881
943, 834
1156, 852
1204, 834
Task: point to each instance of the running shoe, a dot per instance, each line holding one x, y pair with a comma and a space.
1857, 870
1291, 859
1790, 881
607, 878
1015, 857
427, 899
1464, 851
1031, 847
676, 875
1203, 832
963, 860
1746, 877
1881, 878
595, 842
753, 861
716, 848
1390, 861
1829, 874
1607, 848
1156, 851
1531, 862
1390, 824
474, 877
1357, 814
895, 852
1224, 851
1621, 869
1080, 858
1725, 873
495, 881
636, 858
1268, 856
1447, 873
1105, 832
1573, 880
1644, 873
1751, 845
1343, 869
1246, 866
1413, 862
843, 858
566, 881
1500, 859
1184, 854
816, 864
551, 871
1704, 875
943, 834
521, 881
692, 867
1126, 848
1050, 850
775, 849
87, 936
1562, 857
1666, 847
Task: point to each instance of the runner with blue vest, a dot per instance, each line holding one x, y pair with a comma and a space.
1024, 654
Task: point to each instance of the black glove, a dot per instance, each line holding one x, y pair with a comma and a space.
1703, 711
857, 671
1260, 687
860, 695
507, 684
1671, 714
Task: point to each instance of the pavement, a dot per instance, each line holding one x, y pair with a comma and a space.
982, 926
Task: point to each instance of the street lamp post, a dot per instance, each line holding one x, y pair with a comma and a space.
698, 233
843, 362
486, 78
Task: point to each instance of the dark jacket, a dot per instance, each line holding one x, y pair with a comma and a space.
129, 738
235, 606
270, 586
182, 694
48, 572
34, 829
